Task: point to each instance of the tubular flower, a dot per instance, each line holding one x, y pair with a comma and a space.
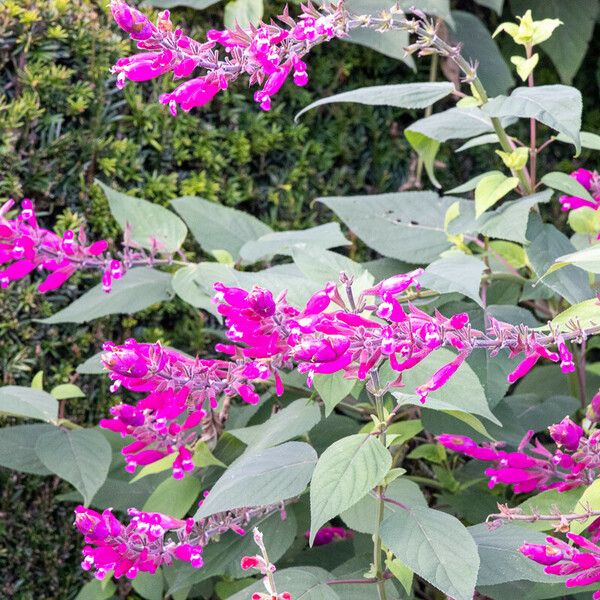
328, 336
182, 393
266, 53
152, 539
580, 561
575, 462
590, 180
26, 247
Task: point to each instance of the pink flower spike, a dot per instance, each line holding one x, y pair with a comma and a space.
523, 368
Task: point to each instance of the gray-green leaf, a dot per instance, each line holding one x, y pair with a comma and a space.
262, 477
437, 547
402, 95
28, 402
137, 289
218, 227
408, 225
145, 221
346, 472
557, 106
81, 456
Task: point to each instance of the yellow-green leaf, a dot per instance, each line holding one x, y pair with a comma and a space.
525, 66
491, 189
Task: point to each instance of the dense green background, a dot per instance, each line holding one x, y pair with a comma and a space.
63, 123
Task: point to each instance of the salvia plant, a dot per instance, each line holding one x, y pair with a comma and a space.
338, 388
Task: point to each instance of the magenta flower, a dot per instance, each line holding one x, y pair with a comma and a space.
590, 180
181, 393
327, 535
574, 463
582, 564
267, 54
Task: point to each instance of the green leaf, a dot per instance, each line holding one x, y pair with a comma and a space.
588, 140
435, 453
472, 183
66, 391
322, 266
362, 516
436, 546
217, 227
569, 43
570, 282
388, 43
243, 13
590, 498
501, 560
471, 420
513, 253
37, 383
292, 421
402, 95
262, 477
400, 432
557, 106
332, 389
408, 225
455, 273
137, 289
149, 586
492, 188
302, 583
583, 314
81, 456
587, 259
567, 184
478, 45
185, 285
97, 590
277, 279
17, 448
28, 402
585, 220
91, 366
174, 497
146, 223
401, 572
283, 242
346, 472
427, 149
202, 457
454, 123
462, 392
480, 140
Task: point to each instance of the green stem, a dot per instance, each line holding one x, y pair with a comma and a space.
377, 550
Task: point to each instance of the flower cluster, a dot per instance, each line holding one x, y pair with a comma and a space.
152, 539
581, 564
590, 180
182, 395
261, 563
26, 247
267, 54
330, 335
575, 461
